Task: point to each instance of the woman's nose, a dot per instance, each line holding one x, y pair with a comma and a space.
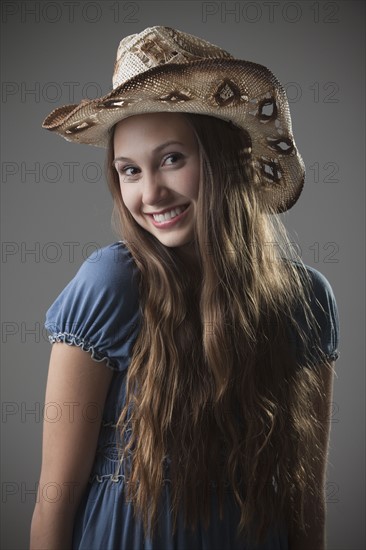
153, 188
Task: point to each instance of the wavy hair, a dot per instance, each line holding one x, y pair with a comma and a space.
215, 396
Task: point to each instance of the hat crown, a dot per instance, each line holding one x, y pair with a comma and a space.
160, 46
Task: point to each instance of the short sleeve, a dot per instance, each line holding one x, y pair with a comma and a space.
324, 307
99, 308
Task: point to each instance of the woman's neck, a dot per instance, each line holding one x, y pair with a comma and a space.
188, 254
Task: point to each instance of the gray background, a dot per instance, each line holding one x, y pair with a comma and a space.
62, 54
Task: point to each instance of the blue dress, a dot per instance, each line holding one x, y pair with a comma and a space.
99, 311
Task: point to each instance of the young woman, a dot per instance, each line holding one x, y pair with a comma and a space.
193, 359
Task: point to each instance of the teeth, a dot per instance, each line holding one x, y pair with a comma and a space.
168, 215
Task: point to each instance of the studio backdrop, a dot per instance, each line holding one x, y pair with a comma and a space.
56, 209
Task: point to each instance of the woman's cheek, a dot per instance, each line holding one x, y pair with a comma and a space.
124, 195
130, 201
193, 177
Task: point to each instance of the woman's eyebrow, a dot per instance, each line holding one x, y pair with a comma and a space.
156, 150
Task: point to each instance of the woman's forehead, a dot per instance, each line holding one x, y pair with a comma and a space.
160, 118
153, 129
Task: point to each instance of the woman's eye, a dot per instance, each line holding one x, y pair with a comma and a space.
132, 171
176, 155
127, 170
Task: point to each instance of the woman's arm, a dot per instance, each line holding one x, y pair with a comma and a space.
75, 395
315, 512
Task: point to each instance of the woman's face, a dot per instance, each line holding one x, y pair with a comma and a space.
158, 180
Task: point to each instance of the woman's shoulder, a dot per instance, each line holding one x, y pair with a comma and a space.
107, 265
323, 303
109, 274
99, 308
320, 285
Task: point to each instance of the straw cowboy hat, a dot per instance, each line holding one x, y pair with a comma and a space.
164, 69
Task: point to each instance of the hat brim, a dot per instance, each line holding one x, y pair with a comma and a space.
245, 93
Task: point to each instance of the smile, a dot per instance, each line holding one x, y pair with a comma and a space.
170, 217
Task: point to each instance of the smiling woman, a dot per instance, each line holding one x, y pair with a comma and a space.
217, 351
166, 174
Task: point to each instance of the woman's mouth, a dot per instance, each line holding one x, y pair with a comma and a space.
169, 218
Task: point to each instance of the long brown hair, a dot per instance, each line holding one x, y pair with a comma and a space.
214, 383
